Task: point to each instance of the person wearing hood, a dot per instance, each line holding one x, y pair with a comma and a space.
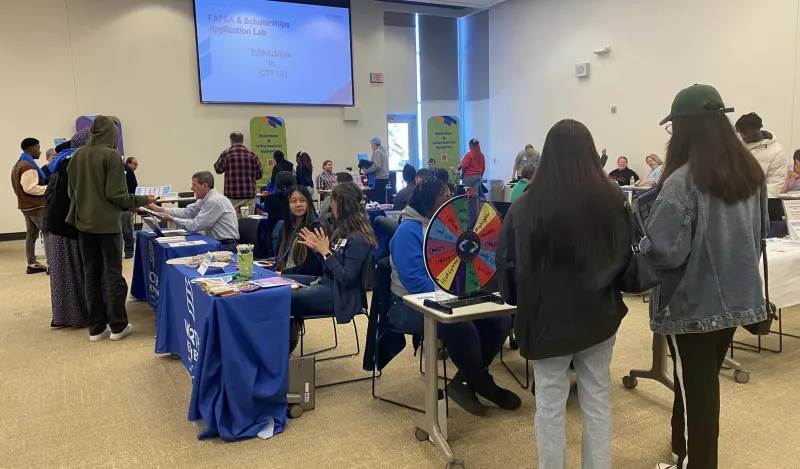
472, 345
67, 287
280, 165
98, 193
770, 155
473, 165
380, 167
29, 183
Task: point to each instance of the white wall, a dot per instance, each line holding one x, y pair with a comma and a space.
136, 59
747, 50
401, 70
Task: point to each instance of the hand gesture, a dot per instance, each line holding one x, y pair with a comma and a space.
316, 240
150, 199
166, 217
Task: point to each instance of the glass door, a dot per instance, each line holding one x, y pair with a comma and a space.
402, 145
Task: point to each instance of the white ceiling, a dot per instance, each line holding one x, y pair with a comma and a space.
478, 4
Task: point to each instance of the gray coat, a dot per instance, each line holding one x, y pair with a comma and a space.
380, 164
708, 254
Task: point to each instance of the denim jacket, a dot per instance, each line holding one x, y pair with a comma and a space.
708, 254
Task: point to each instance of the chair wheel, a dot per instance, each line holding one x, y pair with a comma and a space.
420, 434
455, 465
513, 345
295, 411
741, 376
630, 382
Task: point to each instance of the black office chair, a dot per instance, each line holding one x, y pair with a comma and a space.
248, 234
364, 311
375, 355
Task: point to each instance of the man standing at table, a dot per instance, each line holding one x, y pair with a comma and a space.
528, 155
127, 216
98, 194
380, 166
212, 213
242, 169
29, 183
325, 178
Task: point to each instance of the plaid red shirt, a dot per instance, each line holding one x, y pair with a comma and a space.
242, 169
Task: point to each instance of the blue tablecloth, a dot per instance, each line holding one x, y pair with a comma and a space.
380, 235
235, 348
150, 259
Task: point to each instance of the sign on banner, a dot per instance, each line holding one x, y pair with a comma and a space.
444, 137
267, 135
792, 209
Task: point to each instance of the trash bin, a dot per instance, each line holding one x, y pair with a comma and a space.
497, 189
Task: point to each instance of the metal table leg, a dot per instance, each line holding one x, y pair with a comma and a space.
429, 423
659, 371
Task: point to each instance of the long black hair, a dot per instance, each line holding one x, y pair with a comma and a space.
573, 209
351, 217
718, 162
299, 251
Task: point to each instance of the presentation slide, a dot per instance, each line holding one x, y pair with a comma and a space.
256, 51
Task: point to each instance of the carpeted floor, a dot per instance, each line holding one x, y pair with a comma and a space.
66, 402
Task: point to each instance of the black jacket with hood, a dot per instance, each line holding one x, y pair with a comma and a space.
560, 311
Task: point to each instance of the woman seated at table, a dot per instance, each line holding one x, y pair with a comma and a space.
793, 175
472, 345
294, 257
656, 165
623, 174
527, 176
338, 292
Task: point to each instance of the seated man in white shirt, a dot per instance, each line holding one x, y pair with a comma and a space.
212, 213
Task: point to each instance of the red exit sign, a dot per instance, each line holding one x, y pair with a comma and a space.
376, 77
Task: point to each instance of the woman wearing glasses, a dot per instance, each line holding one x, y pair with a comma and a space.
704, 235
656, 166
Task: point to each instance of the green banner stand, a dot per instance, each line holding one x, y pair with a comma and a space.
444, 137
267, 135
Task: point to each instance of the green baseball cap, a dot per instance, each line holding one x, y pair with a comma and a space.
697, 100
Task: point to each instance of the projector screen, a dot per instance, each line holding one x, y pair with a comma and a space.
274, 52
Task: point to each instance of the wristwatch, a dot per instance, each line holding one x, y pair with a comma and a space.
327, 256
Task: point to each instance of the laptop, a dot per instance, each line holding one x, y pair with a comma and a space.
153, 224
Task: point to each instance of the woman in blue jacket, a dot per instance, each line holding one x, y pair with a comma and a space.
338, 291
704, 234
472, 345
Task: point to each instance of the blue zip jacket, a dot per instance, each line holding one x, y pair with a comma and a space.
409, 275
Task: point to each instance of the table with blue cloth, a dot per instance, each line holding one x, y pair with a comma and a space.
380, 235
151, 256
236, 349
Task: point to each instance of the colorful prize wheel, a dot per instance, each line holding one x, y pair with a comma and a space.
460, 245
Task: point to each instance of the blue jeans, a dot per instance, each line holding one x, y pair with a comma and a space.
592, 367
127, 232
472, 345
315, 300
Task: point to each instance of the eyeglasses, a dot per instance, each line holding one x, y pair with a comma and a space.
668, 128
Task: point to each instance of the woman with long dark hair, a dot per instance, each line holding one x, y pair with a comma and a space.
704, 234
305, 169
559, 259
338, 291
294, 257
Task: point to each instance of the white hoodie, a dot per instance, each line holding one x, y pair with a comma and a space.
771, 157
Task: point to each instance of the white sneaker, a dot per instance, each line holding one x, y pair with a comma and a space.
100, 336
666, 466
125, 333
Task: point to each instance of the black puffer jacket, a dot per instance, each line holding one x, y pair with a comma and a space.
560, 311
